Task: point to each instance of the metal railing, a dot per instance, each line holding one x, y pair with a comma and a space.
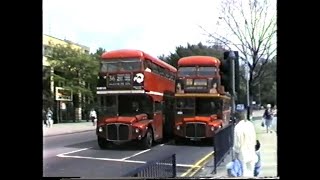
222, 145
161, 168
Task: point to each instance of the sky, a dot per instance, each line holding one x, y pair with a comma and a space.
156, 27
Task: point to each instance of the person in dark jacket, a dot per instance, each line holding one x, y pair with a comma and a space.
268, 117
257, 166
44, 118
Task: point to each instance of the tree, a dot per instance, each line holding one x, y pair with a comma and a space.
191, 50
250, 27
266, 88
46, 91
98, 53
264, 91
75, 70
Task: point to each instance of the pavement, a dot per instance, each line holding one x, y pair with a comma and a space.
67, 128
268, 152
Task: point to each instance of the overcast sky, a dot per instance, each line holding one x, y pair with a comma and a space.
155, 27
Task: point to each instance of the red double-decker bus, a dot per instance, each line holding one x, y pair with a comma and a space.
202, 107
136, 97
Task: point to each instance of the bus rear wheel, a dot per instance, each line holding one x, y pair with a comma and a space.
103, 143
146, 142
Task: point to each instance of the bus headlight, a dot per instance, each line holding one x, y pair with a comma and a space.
137, 130
178, 128
100, 129
212, 128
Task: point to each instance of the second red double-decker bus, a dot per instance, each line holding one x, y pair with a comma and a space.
201, 105
136, 97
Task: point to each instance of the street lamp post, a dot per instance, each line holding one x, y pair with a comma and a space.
232, 57
248, 94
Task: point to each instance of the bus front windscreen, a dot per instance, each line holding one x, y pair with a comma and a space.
207, 106
107, 105
185, 106
120, 65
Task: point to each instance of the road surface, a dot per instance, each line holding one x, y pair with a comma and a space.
78, 155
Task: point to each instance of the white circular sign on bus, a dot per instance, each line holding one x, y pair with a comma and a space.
138, 78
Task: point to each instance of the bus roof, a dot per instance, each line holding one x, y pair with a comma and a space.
132, 53
204, 95
199, 60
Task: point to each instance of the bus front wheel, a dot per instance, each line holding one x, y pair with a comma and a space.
103, 143
146, 142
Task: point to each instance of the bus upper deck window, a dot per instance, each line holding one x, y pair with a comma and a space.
207, 71
131, 65
187, 71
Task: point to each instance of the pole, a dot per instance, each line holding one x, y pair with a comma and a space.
248, 96
248, 100
60, 111
233, 85
259, 94
57, 112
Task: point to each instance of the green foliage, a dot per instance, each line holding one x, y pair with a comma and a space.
46, 93
75, 69
264, 87
98, 53
191, 50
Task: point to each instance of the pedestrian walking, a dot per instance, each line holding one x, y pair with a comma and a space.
49, 120
234, 168
267, 118
257, 166
93, 116
274, 110
244, 144
44, 118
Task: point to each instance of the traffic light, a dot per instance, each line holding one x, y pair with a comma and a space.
226, 72
237, 71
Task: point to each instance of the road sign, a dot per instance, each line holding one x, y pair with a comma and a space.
63, 94
240, 107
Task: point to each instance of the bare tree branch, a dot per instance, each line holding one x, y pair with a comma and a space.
252, 28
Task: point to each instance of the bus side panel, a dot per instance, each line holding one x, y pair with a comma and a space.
157, 126
226, 111
157, 83
169, 113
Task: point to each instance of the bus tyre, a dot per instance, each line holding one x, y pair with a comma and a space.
146, 142
103, 143
179, 141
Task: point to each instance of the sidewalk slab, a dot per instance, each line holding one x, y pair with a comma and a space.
67, 128
268, 151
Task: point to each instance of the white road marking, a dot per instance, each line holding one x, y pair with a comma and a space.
161, 144
74, 151
136, 154
119, 160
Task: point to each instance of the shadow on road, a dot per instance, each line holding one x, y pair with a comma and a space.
130, 146
207, 143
